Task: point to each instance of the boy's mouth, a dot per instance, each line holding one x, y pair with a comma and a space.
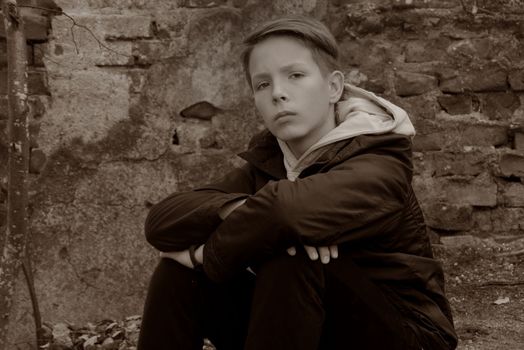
283, 114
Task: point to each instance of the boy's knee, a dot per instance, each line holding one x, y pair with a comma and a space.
286, 270
172, 277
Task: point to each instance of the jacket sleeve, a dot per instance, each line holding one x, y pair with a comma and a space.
186, 218
360, 198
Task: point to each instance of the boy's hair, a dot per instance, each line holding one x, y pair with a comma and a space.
312, 33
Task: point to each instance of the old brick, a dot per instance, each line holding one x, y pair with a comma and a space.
418, 107
3, 136
472, 48
202, 3
367, 52
371, 24
375, 84
36, 83
420, 163
239, 3
518, 141
119, 54
458, 163
451, 134
516, 79
3, 53
111, 27
423, 3
38, 54
502, 6
409, 84
482, 219
456, 104
488, 79
425, 51
34, 130
90, 51
499, 105
3, 82
3, 106
37, 161
3, 214
477, 135
449, 217
35, 27
508, 220
513, 194
479, 191
151, 51
512, 165
137, 80
427, 142
37, 106
127, 27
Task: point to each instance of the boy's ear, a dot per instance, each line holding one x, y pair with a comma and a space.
336, 86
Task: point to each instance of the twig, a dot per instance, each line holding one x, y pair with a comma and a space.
513, 253
501, 283
28, 273
75, 24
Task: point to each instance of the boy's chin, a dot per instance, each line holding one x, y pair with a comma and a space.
287, 135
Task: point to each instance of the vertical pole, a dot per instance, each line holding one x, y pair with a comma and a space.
18, 162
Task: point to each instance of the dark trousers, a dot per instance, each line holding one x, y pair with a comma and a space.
292, 303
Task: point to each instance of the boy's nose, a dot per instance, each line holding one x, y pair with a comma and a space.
279, 95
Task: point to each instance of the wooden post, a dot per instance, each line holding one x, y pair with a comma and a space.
18, 163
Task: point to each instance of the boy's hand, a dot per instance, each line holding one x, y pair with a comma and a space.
325, 253
183, 258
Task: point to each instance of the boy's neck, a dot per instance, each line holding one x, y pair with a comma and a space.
299, 146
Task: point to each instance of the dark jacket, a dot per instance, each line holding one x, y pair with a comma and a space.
357, 194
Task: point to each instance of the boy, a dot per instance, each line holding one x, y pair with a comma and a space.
318, 242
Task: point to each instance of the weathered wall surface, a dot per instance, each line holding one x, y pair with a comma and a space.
109, 138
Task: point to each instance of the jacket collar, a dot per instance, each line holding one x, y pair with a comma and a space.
265, 154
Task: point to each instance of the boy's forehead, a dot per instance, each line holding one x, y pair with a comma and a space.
279, 52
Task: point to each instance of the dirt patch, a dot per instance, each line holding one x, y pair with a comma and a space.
485, 286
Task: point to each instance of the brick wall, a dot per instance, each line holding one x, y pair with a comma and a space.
158, 103
458, 70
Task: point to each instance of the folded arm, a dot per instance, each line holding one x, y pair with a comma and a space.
187, 218
360, 198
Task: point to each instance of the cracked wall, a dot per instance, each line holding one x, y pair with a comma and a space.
152, 99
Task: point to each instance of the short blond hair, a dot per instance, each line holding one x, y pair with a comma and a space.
311, 32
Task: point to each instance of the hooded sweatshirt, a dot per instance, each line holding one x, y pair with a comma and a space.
359, 112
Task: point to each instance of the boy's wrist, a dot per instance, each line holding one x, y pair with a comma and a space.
197, 256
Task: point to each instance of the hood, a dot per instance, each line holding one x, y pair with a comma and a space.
359, 112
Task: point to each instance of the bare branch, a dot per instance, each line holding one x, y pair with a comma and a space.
28, 273
76, 24
513, 253
501, 283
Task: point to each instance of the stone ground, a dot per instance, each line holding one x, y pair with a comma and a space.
485, 285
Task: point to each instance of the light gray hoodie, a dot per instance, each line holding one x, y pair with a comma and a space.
359, 112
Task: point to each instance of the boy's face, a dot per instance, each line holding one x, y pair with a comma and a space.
291, 93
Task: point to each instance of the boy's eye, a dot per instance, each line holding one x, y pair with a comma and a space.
296, 75
261, 85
